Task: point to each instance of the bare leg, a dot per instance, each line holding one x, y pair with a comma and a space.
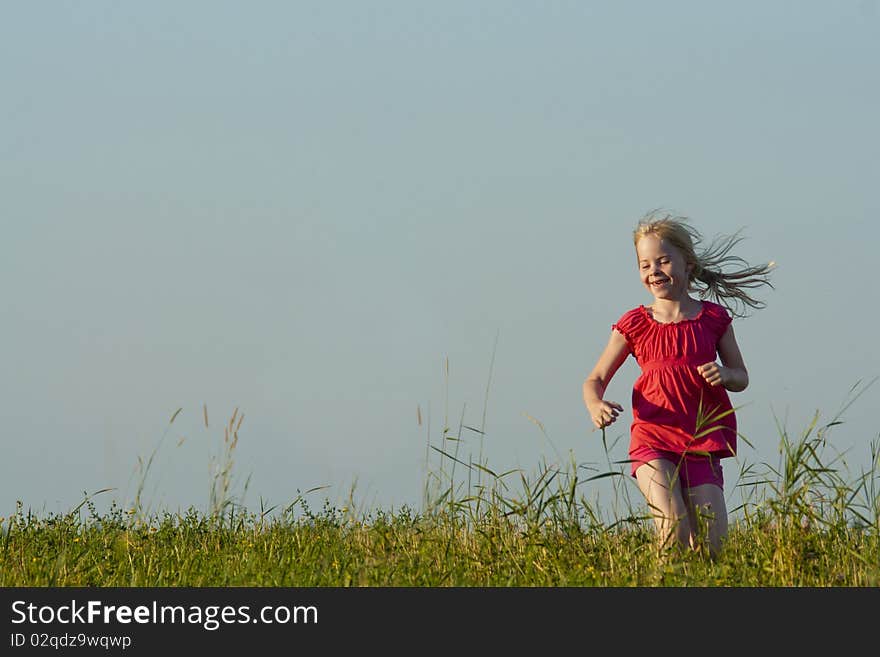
708, 515
658, 481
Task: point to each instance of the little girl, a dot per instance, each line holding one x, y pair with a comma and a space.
683, 421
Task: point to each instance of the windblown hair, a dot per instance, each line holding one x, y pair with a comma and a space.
709, 277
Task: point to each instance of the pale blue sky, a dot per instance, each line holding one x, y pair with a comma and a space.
301, 209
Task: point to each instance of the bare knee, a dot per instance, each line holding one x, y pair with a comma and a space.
659, 483
708, 513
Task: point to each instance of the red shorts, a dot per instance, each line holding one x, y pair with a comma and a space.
694, 469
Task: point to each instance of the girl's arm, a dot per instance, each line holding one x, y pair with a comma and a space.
732, 373
602, 412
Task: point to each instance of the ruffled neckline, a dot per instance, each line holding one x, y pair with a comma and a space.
650, 317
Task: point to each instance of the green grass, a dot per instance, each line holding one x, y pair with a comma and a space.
805, 521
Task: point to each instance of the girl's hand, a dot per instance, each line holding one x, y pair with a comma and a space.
713, 373
604, 413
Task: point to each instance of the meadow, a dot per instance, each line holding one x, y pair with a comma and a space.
803, 522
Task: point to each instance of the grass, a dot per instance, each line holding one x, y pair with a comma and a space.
802, 522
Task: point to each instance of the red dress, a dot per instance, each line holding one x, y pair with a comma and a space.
674, 409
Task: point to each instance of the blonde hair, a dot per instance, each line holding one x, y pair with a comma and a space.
707, 276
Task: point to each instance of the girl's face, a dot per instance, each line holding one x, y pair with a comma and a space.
662, 268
